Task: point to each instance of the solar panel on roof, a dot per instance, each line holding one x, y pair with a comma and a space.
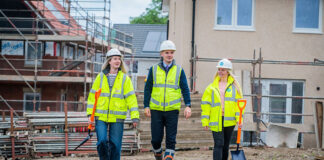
153, 41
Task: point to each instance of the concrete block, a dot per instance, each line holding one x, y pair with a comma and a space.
281, 136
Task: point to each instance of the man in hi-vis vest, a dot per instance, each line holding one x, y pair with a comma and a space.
165, 83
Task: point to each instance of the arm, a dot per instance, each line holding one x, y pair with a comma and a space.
131, 100
205, 106
91, 96
147, 93
148, 89
185, 93
185, 89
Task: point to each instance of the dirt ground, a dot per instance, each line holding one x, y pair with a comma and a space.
259, 153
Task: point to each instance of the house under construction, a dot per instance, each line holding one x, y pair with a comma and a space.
51, 51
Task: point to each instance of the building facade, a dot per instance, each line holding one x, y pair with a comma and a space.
285, 31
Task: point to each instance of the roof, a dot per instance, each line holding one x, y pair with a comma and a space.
58, 17
146, 37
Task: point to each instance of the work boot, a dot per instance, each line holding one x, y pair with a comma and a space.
169, 154
158, 153
168, 157
158, 156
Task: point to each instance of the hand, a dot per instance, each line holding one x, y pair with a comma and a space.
89, 121
147, 112
134, 124
206, 128
239, 125
187, 112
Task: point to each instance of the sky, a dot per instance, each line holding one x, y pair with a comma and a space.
121, 10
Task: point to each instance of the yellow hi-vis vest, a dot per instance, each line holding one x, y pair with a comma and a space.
166, 92
211, 114
113, 105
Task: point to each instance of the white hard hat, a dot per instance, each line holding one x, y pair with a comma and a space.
225, 63
113, 52
167, 45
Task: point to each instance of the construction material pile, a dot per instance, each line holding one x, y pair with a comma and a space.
47, 133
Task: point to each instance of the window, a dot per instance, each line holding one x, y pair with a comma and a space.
308, 16
234, 15
98, 59
12, 48
58, 49
71, 52
297, 104
49, 48
278, 107
65, 52
33, 49
28, 101
80, 53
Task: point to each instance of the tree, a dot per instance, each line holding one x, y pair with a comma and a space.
152, 15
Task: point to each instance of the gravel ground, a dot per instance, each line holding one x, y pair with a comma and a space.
254, 153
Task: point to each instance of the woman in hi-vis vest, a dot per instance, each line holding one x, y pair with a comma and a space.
219, 107
116, 98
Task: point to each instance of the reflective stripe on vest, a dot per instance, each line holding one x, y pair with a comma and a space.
165, 104
233, 95
204, 116
233, 99
101, 77
213, 104
129, 94
121, 95
175, 86
134, 109
111, 112
213, 123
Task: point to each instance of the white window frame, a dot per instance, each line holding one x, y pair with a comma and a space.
265, 106
31, 63
310, 30
234, 26
32, 94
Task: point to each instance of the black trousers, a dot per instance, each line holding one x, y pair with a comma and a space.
161, 120
221, 142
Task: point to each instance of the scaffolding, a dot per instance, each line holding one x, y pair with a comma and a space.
76, 23
256, 92
79, 34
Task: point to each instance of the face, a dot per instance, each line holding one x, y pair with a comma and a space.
115, 62
222, 72
167, 56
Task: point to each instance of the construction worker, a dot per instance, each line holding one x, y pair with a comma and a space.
116, 98
166, 82
219, 107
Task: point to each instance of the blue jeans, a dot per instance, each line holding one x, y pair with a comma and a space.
109, 149
159, 120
